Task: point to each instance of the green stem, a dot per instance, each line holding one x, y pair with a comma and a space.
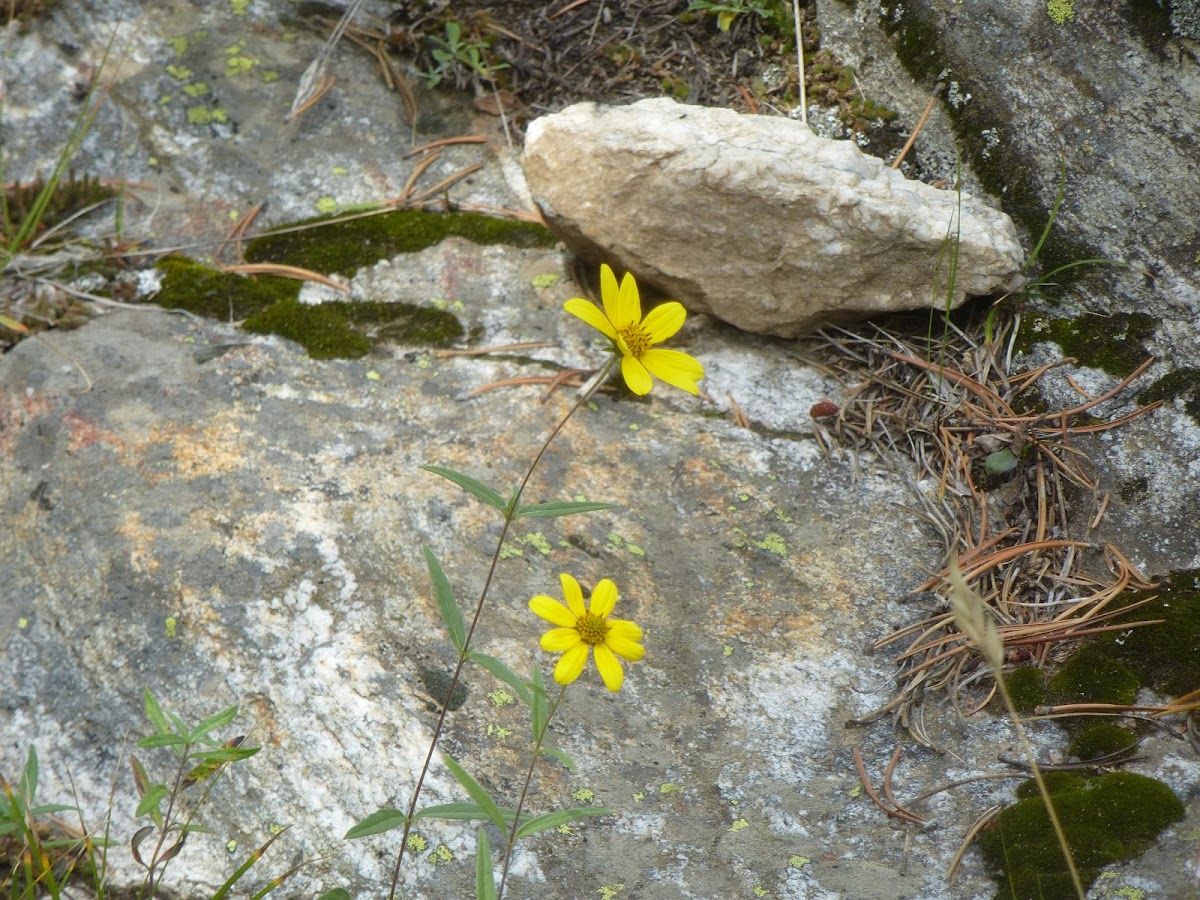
533, 758
509, 518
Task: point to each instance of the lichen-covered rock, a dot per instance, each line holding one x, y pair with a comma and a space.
756, 220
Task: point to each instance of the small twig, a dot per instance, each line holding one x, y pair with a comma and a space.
739, 415
800, 62
282, 271
920, 124
502, 348
446, 142
566, 9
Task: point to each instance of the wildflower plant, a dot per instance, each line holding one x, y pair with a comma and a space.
580, 631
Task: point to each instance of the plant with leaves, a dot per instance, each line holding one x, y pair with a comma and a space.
172, 804
580, 631
461, 58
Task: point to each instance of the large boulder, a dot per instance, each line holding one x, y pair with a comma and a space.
756, 220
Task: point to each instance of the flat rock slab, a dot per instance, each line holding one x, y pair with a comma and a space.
246, 527
756, 220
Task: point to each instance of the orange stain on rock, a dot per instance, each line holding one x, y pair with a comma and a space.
141, 554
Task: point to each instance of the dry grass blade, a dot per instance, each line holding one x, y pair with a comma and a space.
286, 272
893, 810
315, 83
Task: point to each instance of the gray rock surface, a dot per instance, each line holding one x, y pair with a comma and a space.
271, 506
756, 220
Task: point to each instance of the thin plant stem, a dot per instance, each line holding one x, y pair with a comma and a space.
533, 758
464, 653
1027, 749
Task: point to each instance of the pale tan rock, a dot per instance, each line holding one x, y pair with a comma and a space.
756, 220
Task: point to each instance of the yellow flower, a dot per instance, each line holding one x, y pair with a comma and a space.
634, 337
580, 629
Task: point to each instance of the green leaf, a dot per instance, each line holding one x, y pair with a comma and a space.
503, 672
155, 794
220, 720
51, 808
225, 754
448, 606
335, 894
27, 786
560, 508
462, 812
377, 823
471, 486
155, 714
161, 740
561, 755
475, 789
538, 713
560, 817
485, 881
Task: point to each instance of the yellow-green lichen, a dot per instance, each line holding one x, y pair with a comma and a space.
798, 862
499, 732
609, 891
545, 280
1061, 11
202, 114
773, 543
538, 542
344, 247
501, 697
441, 855
416, 843
739, 825
667, 788
583, 795
326, 204
178, 44
196, 89
179, 73
171, 622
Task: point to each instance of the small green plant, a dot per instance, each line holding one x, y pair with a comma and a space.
580, 631
39, 852
462, 59
727, 12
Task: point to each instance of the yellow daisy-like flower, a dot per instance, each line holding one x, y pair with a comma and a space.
580, 629
634, 337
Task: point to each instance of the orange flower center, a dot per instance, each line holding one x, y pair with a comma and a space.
636, 338
592, 628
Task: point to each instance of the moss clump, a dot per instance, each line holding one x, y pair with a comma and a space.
402, 322
1092, 676
342, 247
206, 291
1114, 343
1134, 490
1181, 384
1106, 818
1101, 740
437, 685
1027, 688
321, 330
1166, 656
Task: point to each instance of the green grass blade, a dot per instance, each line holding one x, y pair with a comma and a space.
538, 710
447, 605
245, 867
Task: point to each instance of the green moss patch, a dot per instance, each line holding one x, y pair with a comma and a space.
206, 291
1166, 656
1106, 818
331, 246
270, 305
1114, 343
1092, 676
1181, 384
1027, 688
1103, 740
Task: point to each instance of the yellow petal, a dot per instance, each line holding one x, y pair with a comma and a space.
560, 640
674, 367
609, 292
571, 664
610, 669
574, 594
625, 649
663, 321
629, 302
590, 313
636, 376
624, 629
552, 611
604, 598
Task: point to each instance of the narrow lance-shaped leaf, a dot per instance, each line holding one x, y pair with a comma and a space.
155, 794
27, 786
485, 881
478, 794
558, 508
558, 818
471, 486
463, 812
155, 714
503, 672
561, 755
377, 823
220, 720
447, 605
